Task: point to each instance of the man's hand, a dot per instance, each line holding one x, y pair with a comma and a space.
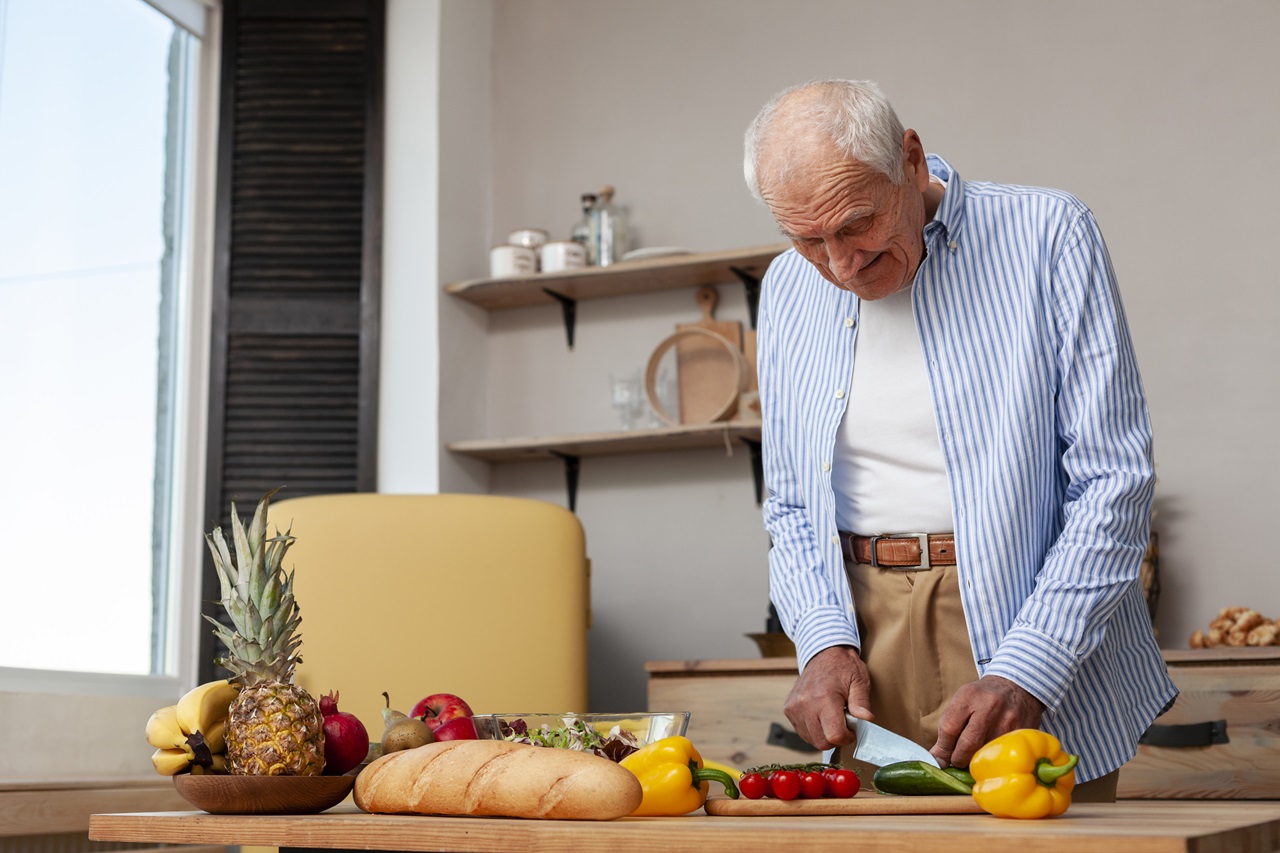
832, 680
981, 711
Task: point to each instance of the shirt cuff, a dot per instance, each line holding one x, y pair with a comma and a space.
1036, 663
822, 628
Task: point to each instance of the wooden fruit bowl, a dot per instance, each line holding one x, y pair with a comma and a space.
222, 794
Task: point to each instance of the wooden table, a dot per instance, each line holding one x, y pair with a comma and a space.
1150, 826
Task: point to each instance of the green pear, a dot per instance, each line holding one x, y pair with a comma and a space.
406, 733
389, 714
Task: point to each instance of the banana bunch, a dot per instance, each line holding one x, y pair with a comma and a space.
191, 735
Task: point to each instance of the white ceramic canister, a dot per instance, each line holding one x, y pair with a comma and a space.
532, 238
560, 255
507, 260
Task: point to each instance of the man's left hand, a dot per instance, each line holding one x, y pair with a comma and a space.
979, 712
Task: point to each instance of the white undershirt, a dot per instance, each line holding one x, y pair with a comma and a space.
888, 471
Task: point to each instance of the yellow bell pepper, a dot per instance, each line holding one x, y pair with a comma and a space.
673, 778
1023, 774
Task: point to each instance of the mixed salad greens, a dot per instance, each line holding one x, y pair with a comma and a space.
575, 734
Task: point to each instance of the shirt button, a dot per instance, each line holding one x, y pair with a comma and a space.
839, 393
836, 539
826, 466
848, 322
952, 245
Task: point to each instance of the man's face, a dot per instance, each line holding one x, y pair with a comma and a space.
863, 232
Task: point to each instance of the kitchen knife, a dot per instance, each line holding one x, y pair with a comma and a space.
879, 746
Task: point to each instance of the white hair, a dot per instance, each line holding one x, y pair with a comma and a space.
854, 114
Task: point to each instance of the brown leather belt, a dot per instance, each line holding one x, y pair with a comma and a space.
907, 551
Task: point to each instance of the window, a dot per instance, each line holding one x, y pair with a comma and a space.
98, 319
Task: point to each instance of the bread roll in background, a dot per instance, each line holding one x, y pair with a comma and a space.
497, 778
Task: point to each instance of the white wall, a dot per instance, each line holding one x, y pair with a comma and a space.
408, 406
466, 194
1161, 114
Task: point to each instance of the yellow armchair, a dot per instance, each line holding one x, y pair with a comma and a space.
482, 596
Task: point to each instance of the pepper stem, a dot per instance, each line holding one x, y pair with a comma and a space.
707, 774
1049, 773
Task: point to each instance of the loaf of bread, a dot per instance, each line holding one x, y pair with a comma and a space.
497, 778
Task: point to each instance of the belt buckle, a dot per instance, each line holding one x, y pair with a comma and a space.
923, 538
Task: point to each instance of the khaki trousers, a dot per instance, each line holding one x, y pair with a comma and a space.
915, 644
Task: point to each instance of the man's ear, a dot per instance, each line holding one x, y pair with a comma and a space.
914, 163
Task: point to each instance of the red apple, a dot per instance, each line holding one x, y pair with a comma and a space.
439, 708
346, 741
459, 728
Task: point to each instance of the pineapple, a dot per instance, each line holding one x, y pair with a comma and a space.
274, 727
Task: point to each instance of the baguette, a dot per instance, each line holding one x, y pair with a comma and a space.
497, 778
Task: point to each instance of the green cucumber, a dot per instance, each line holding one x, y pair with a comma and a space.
917, 777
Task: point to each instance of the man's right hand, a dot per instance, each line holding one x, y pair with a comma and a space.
834, 679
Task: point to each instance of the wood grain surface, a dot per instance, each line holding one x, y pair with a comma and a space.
36, 807
1130, 827
1244, 691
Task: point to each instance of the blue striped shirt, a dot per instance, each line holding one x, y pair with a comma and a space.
1047, 443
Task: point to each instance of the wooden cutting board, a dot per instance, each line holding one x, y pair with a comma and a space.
866, 802
705, 372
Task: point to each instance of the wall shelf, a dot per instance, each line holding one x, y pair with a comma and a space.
620, 279
672, 272
570, 449
660, 439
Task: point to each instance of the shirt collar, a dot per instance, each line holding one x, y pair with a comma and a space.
951, 208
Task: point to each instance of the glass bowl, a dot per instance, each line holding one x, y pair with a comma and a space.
580, 731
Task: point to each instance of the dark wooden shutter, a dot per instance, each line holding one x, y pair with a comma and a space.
294, 353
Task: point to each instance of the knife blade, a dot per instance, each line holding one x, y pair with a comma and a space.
878, 746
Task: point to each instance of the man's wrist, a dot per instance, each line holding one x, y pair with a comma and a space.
1036, 664
840, 647
1010, 683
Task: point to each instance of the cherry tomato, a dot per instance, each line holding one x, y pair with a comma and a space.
784, 784
843, 783
828, 773
812, 785
753, 786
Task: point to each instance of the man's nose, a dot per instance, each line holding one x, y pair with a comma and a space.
845, 260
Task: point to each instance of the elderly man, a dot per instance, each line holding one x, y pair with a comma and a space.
956, 447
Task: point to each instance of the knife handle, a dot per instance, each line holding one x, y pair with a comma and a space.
1186, 734
784, 737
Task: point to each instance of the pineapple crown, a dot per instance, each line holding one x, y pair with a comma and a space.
257, 596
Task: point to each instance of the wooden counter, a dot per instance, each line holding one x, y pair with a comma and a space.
53, 814
1134, 827
1241, 689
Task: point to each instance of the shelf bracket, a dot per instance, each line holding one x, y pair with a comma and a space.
571, 466
751, 284
569, 308
757, 468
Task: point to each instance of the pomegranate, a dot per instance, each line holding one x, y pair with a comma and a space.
346, 741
